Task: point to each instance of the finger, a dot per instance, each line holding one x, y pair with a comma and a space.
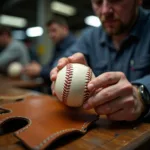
123, 114
118, 116
110, 107
104, 80
52, 88
53, 74
77, 58
62, 62
103, 96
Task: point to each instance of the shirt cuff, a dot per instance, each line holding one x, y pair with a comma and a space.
145, 117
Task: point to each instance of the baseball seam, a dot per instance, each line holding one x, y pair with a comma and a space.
67, 83
87, 80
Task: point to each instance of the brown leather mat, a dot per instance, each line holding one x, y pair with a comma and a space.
47, 120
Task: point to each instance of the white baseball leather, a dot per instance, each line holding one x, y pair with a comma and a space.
71, 84
14, 69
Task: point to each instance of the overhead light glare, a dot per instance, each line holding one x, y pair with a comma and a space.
62, 8
13, 21
92, 21
34, 31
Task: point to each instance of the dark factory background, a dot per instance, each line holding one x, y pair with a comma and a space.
22, 15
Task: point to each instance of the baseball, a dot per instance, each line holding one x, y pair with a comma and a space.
71, 84
14, 69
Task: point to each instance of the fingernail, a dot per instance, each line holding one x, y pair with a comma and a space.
90, 87
71, 57
86, 106
53, 76
60, 63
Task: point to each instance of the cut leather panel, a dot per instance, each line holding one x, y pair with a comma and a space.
12, 93
48, 120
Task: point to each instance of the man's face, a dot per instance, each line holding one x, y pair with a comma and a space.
117, 16
56, 32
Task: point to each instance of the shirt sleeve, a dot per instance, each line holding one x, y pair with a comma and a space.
45, 73
8, 55
82, 44
146, 82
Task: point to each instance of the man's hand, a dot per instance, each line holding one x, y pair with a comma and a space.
76, 58
32, 70
114, 97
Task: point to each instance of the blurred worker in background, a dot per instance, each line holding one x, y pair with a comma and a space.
62, 38
11, 50
32, 50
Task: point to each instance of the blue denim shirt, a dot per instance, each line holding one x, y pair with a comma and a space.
59, 51
133, 58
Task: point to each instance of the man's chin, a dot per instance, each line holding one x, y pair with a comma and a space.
112, 31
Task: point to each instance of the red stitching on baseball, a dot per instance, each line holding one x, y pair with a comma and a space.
67, 83
87, 80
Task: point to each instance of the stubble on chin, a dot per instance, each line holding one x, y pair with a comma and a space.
115, 29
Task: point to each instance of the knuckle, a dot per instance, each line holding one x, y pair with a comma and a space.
91, 102
127, 87
79, 55
130, 102
108, 76
106, 94
122, 75
107, 109
52, 71
103, 110
130, 115
62, 60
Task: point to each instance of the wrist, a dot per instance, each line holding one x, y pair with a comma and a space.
143, 98
140, 100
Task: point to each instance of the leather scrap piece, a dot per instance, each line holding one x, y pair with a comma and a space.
47, 120
12, 94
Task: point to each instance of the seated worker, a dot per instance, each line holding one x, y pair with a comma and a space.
60, 35
32, 50
11, 50
119, 54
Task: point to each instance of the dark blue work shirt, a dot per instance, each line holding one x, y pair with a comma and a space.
59, 51
133, 57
